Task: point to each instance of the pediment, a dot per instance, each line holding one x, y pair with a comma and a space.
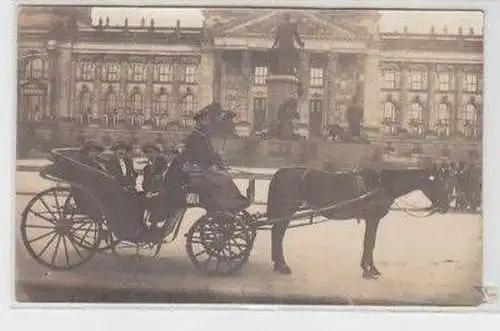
310, 25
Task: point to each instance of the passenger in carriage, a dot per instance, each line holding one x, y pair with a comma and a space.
153, 171
89, 155
121, 165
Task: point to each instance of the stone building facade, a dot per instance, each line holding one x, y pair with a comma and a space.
146, 76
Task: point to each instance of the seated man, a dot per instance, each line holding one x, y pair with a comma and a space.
89, 155
215, 187
121, 166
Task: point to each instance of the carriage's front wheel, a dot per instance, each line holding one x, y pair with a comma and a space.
56, 235
219, 243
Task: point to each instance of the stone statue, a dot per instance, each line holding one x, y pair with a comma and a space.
284, 55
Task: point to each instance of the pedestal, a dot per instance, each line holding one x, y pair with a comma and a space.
279, 89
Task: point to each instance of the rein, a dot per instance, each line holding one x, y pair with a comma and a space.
407, 211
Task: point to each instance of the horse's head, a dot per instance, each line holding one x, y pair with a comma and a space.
214, 119
435, 184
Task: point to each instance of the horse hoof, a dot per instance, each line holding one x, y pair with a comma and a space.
282, 268
371, 275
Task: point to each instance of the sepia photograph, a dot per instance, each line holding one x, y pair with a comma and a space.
233, 155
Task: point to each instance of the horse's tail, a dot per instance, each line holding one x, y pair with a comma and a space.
285, 192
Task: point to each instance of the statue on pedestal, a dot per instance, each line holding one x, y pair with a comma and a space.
284, 56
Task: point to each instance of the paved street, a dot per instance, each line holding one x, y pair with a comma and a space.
434, 260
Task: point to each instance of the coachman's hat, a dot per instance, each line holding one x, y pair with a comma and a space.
148, 148
121, 145
91, 145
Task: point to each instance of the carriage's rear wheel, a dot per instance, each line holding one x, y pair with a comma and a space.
219, 243
57, 235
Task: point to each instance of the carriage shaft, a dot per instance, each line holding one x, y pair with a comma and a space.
263, 221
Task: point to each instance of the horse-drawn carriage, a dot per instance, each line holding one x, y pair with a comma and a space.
89, 211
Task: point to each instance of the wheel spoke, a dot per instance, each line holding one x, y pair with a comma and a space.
39, 227
75, 246
47, 207
58, 206
66, 254
37, 214
41, 236
55, 250
47, 245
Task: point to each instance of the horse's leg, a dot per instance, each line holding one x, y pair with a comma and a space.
369, 269
277, 235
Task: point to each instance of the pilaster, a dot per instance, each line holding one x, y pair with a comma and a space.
304, 80
459, 86
206, 77
330, 103
246, 66
372, 85
149, 92
431, 87
65, 82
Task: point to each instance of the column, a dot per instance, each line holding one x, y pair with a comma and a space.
431, 87
66, 72
149, 91
372, 85
217, 74
304, 79
177, 68
403, 108
206, 77
97, 89
459, 74
123, 94
330, 104
51, 107
246, 66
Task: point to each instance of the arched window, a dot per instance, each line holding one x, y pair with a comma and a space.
162, 103
389, 113
469, 120
416, 114
443, 121
33, 101
109, 101
33, 68
135, 101
188, 105
416, 118
84, 101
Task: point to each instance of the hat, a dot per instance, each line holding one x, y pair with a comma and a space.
91, 145
121, 145
150, 148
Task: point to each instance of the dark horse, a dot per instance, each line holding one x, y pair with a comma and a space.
292, 187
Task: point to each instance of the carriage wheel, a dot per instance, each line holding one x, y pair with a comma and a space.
219, 244
54, 234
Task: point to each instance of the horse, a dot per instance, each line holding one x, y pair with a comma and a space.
297, 188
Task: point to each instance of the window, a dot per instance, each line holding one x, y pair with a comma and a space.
260, 75
188, 105
137, 72
470, 114
84, 101
85, 70
190, 73
418, 80
315, 106
471, 82
135, 101
259, 109
32, 101
444, 81
391, 79
164, 72
110, 71
162, 103
389, 113
34, 69
416, 113
316, 77
109, 102
443, 118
